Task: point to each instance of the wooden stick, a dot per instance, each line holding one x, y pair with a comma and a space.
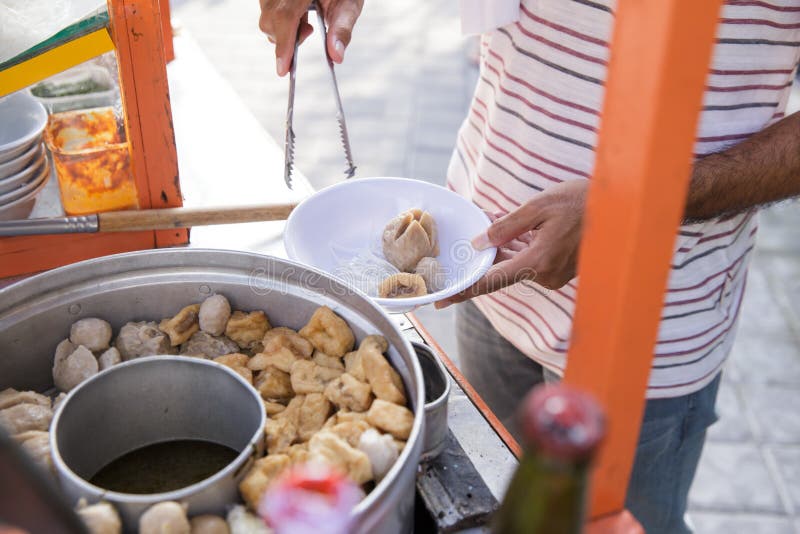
159, 219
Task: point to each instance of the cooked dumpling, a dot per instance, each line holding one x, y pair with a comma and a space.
142, 339
23, 417
408, 238
432, 272
402, 285
11, 397
204, 345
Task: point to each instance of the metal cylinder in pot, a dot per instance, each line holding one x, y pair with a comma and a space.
36, 314
155, 400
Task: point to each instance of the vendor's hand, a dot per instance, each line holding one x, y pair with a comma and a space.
280, 20
538, 241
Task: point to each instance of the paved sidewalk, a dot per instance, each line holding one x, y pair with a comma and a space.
406, 83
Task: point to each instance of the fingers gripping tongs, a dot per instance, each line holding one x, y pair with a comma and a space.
289, 146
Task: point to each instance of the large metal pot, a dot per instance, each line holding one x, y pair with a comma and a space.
36, 314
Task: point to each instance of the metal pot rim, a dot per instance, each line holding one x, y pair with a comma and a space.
51, 282
175, 495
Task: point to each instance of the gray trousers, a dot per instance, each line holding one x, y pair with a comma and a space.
670, 441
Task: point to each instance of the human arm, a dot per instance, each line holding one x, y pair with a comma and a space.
764, 168
280, 20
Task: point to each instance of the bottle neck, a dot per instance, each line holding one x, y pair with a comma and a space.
546, 495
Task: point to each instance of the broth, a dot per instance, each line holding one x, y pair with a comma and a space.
165, 466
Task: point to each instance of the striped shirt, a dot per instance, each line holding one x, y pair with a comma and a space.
533, 122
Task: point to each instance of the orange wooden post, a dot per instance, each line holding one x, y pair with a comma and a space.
166, 30
137, 33
660, 53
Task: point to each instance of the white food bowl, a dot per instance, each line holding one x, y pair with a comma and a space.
345, 221
23, 177
23, 120
22, 206
23, 161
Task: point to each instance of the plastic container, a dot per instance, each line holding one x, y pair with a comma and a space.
92, 161
83, 87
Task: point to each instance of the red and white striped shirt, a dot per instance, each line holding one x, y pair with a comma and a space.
533, 122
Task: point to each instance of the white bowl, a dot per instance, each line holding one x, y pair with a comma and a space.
32, 184
15, 165
22, 207
23, 119
346, 220
24, 176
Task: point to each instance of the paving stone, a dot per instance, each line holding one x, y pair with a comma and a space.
784, 277
733, 477
780, 228
718, 523
430, 165
761, 314
773, 359
776, 408
732, 424
787, 460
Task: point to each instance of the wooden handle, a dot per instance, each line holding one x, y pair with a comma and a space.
164, 219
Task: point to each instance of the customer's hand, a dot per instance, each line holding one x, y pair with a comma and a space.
538, 241
280, 20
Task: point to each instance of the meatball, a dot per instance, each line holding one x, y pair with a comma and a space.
166, 517
214, 314
74, 369
92, 333
209, 524
109, 358
101, 518
381, 451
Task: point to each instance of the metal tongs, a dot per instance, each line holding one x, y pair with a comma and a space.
289, 146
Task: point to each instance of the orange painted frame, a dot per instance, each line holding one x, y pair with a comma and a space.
136, 29
660, 53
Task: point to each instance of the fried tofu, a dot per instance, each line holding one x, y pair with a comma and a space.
309, 377
329, 448
391, 418
329, 333
247, 329
182, 326
258, 479
348, 393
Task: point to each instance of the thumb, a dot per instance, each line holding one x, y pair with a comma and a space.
341, 19
509, 227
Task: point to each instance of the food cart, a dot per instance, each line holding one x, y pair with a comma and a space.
660, 52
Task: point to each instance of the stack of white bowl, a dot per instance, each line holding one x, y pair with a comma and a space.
24, 164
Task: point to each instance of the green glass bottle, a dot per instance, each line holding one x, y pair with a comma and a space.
562, 429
